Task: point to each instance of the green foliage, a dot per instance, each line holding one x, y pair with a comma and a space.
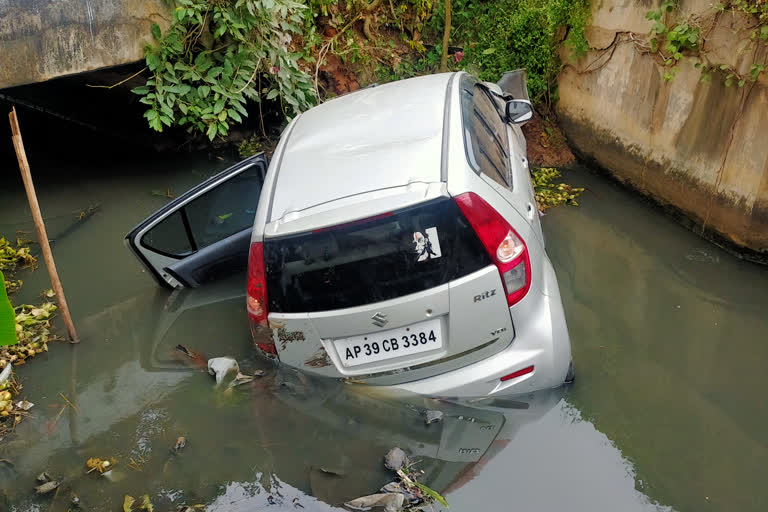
682, 37
499, 36
758, 9
686, 37
218, 54
255, 144
549, 194
7, 317
436, 496
11, 257
659, 28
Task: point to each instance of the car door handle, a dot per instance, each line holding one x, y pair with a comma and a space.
525, 162
531, 211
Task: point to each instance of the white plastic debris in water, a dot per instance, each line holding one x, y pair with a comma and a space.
220, 367
391, 502
5, 374
24, 405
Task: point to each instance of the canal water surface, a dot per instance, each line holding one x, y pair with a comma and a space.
668, 411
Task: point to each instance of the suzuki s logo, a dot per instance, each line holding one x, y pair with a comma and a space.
379, 319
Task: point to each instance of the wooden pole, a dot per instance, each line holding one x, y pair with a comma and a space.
37, 216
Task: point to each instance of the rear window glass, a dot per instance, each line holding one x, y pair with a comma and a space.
377, 259
485, 134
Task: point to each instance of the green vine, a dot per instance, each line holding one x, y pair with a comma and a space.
218, 54
686, 38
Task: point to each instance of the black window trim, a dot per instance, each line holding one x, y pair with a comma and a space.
195, 192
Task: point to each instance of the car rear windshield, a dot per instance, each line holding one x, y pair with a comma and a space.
368, 261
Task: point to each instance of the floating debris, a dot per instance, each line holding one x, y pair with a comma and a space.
24, 405
227, 369
136, 464
396, 459
197, 359
181, 442
11, 257
100, 465
129, 502
405, 494
391, 502
48, 485
5, 375
220, 367
433, 416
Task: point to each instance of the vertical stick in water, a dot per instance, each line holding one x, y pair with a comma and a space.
37, 216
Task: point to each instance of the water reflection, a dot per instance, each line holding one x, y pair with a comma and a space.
285, 441
667, 409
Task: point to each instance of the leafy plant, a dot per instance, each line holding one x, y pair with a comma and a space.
682, 37
549, 194
11, 257
510, 34
432, 494
218, 54
659, 28
7, 317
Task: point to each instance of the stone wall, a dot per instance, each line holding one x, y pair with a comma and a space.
696, 146
44, 39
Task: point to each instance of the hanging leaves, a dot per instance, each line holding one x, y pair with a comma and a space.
214, 57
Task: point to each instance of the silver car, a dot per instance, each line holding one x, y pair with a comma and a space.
396, 242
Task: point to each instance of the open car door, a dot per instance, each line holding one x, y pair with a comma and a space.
204, 234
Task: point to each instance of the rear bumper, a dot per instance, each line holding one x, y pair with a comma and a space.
541, 340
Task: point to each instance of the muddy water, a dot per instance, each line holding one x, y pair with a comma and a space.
667, 412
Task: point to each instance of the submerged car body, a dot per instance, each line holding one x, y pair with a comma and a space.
396, 243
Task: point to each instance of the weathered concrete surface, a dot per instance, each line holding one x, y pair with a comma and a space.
699, 147
44, 39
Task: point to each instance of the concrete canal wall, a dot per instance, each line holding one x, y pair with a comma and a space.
44, 39
696, 146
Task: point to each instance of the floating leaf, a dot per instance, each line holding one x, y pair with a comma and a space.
128, 503
432, 494
145, 503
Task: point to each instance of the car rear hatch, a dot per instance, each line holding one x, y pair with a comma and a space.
392, 298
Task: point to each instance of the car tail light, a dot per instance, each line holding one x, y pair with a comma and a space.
256, 299
506, 248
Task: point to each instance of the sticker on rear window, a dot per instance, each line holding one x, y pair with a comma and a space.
427, 244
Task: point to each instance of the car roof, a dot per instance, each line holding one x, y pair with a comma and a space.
375, 138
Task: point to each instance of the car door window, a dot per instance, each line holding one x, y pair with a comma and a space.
169, 237
485, 134
225, 210
215, 215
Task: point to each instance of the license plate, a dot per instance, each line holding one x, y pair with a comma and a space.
368, 348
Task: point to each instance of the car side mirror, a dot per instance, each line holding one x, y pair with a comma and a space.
519, 111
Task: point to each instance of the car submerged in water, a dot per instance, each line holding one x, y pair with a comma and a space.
393, 240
